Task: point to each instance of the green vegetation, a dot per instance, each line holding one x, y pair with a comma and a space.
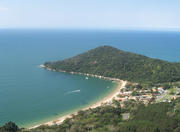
160, 117
135, 93
170, 94
9, 127
111, 62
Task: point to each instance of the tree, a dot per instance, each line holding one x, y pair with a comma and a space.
116, 103
10, 127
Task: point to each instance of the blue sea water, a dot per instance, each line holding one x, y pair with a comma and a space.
30, 95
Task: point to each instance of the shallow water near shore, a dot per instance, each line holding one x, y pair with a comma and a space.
30, 95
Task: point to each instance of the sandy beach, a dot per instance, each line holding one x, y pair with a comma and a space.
107, 99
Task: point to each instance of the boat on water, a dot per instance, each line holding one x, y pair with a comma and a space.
87, 78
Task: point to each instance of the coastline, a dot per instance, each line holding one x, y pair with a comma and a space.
79, 73
108, 99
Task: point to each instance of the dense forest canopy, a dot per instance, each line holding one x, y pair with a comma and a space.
111, 62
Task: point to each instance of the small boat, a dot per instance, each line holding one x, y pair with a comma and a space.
87, 78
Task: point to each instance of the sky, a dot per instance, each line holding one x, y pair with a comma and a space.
90, 14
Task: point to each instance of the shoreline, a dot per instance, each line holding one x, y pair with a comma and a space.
79, 73
108, 99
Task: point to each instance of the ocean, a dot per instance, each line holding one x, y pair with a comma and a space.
30, 95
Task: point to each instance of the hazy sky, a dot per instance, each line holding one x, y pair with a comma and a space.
90, 14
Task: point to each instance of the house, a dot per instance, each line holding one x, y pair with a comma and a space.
161, 90
126, 116
154, 90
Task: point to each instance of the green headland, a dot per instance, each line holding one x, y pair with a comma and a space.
149, 100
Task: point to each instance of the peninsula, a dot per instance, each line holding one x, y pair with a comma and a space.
147, 97
107, 61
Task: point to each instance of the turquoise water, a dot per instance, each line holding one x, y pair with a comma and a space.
30, 95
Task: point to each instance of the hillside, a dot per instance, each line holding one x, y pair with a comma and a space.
112, 62
159, 117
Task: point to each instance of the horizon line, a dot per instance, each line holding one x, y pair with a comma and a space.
173, 29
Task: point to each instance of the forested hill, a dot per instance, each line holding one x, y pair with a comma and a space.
112, 62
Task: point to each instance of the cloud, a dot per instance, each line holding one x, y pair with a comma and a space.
4, 8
